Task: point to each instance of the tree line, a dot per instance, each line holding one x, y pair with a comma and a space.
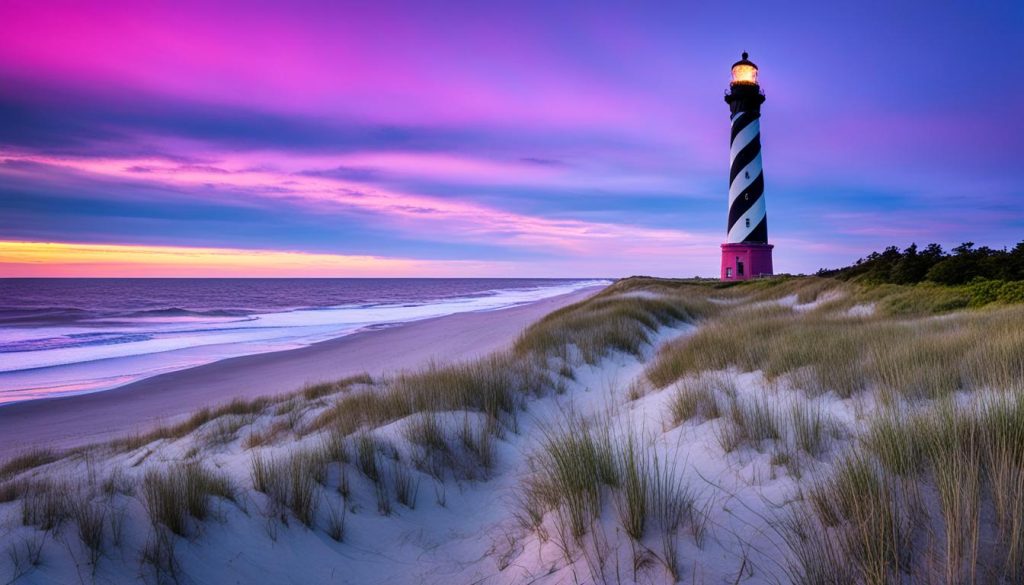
961, 265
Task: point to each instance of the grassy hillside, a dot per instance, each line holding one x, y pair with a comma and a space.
966, 276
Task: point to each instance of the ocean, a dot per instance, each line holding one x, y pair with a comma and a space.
72, 336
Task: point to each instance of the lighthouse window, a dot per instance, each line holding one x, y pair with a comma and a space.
728, 272
744, 74
748, 222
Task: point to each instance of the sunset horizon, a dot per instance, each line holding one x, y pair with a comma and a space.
492, 140
445, 292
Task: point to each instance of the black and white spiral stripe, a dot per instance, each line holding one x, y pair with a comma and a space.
748, 221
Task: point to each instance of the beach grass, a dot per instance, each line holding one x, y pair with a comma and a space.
30, 459
969, 461
492, 385
181, 491
575, 461
291, 481
90, 518
46, 504
582, 467
922, 482
916, 359
695, 397
322, 389
406, 485
337, 514
611, 321
236, 407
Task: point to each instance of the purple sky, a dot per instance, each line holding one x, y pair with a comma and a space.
471, 138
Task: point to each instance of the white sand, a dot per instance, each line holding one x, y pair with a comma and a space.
467, 531
75, 420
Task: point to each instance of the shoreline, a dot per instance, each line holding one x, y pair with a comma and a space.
69, 421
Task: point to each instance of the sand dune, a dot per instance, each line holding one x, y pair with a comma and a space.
648, 436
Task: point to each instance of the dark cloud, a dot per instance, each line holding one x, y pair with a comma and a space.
544, 162
358, 174
70, 120
90, 124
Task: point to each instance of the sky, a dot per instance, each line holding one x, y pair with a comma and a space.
520, 139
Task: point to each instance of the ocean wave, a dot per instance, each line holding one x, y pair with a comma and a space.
44, 316
26, 316
176, 337
180, 312
72, 340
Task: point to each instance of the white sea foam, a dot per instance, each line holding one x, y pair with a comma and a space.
148, 347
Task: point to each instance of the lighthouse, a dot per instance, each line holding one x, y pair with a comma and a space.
746, 252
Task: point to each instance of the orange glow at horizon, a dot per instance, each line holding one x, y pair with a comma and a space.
58, 259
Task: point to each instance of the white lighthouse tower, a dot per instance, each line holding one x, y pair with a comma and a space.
746, 252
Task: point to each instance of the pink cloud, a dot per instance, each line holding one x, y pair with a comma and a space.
442, 218
262, 56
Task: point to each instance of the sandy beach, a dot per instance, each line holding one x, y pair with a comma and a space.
75, 420
630, 433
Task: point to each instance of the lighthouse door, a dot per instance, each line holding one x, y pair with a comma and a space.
739, 267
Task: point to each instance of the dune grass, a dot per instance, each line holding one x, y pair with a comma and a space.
696, 397
90, 519
27, 460
574, 462
13, 489
224, 429
304, 492
493, 385
181, 491
613, 321
406, 485
860, 514
478, 442
442, 446
337, 515
748, 422
864, 517
291, 481
237, 406
432, 442
160, 554
860, 526
810, 428
428, 432
368, 457
969, 461
25, 556
582, 467
827, 352
322, 389
46, 504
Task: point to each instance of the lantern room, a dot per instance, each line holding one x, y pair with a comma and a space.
744, 72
